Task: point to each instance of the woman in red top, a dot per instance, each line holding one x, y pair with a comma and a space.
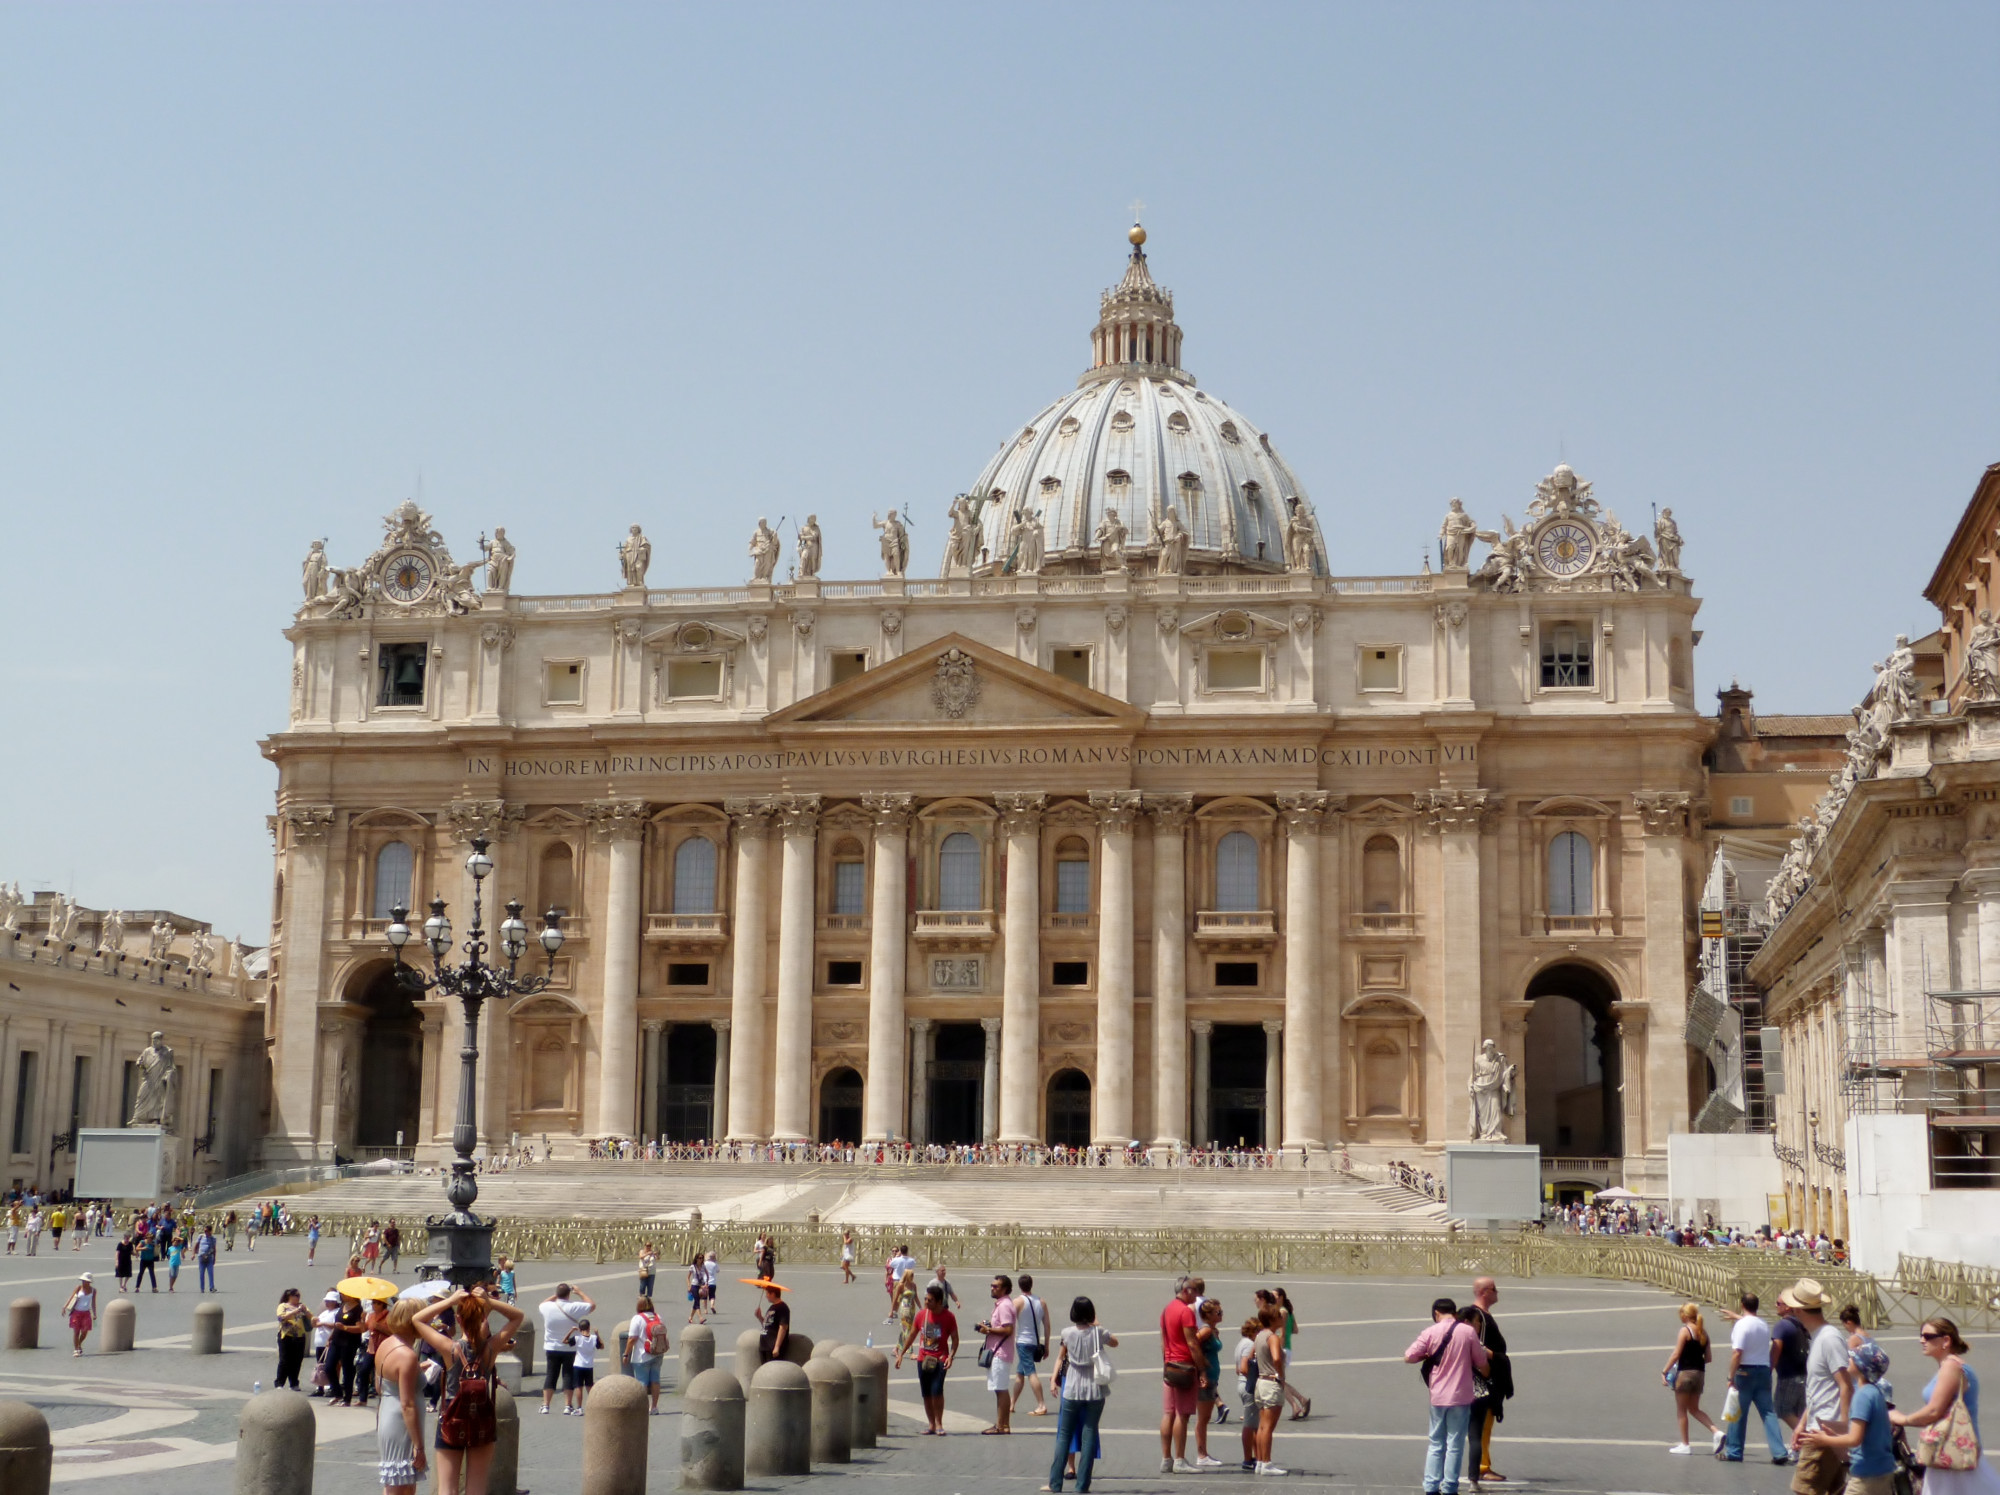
934, 1331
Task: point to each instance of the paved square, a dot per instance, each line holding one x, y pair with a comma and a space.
1591, 1414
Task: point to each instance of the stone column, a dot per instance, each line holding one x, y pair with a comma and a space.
1629, 1028
1170, 816
748, 1080
1918, 951
1277, 1109
621, 824
1020, 1000
989, 1084
649, 1083
1303, 814
1115, 812
1455, 816
920, 1080
1202, 1029
791, 1111
295, 1061
1657, 1033
1982, 883
882, 1108
718, 1104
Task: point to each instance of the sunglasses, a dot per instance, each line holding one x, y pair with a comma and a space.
1922, 1335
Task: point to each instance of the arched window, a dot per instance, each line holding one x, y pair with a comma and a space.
1073, 876
1381, 876
1236, 889
1570, 893
393, 865
694, 876
958, 872
556, 886
850, 879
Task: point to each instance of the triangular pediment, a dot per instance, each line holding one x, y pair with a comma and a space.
957, 681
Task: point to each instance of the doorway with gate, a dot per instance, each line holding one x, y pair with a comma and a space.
1068, 1109
840, 1105
1236, 1100
687, 1083
955, 1078
392, 1067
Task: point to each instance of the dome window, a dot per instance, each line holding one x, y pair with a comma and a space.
1026, 436
1230, 433
1118, 480
1070, 426
1122, 421
1178, 423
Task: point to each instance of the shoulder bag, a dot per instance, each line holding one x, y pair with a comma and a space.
1951, 1442
1102, 1371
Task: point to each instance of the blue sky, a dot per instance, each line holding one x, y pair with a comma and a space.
265, 269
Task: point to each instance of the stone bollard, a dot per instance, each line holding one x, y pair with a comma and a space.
798, 1348
832, 1410
524, 1351
747, 1358
504, 1473
121, 1322
862, 1368
24, 1324
207, 1336
26, 1459
697, 1353
614, 1438
274, 1444
621, 1366
822, 1348
712, 1431
777, 1425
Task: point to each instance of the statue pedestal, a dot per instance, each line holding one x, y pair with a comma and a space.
121, 1164
1490, 1184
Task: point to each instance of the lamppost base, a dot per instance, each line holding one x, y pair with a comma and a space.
461, 1249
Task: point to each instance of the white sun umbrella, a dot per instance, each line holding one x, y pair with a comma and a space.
425, 1291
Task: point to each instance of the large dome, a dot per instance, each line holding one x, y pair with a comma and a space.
1137, 436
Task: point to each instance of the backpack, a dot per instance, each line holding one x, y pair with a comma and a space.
467, 1419
655, 1347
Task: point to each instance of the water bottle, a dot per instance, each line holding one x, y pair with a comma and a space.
255, 1387
871, 1339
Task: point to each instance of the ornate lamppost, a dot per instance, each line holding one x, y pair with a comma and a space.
462, 1243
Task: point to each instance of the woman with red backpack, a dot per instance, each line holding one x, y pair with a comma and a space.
467, 1428
645, 1347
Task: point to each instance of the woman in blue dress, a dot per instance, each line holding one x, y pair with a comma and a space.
1941, 1341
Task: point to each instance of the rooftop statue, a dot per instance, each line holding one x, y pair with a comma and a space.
895, 543
1982, 659
314, 571
635, 554
1173, 543
962, 549
764, 548
499, 553
1027, 540
1457, 533
1110, 539
1667, 540
809, 548
1298, 541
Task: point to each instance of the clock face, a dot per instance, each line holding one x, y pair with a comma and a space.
1565, 548
407, 577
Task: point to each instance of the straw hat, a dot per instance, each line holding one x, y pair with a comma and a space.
1806, 1294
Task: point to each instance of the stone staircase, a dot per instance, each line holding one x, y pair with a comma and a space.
1130, 1199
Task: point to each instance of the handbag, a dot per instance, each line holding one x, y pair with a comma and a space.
1950, 1443
985, 1356
1102, 1371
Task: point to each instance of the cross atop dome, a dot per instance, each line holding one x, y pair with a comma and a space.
1136, 332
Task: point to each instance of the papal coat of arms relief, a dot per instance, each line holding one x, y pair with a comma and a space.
956, 687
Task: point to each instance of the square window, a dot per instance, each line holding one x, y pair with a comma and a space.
847, 664
1381, 667
1072, 665
563, 682
1566, 656
687, 973
694, 679
1741, 806
401, 670
1235, 669
1069, 973
1236, 973
843, 973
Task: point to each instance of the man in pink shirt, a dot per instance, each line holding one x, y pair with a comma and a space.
1449, 1352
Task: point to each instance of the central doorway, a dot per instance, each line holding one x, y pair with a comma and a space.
1069, 1109
840, 1106
392, 1066
1571, 1065
687, 1083
1236, 1054
956, 1077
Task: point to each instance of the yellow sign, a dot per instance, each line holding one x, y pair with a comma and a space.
1779, 1209
1711, 923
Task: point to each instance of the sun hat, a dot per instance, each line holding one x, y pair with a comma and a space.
84, 1277
1871, 1362
1805, 1294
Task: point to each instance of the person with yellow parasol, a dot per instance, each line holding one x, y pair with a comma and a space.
776, 1317
360, 1317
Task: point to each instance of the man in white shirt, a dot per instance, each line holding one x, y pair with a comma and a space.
1031, 1343
1829, 1391
561, 1312
1750, 1374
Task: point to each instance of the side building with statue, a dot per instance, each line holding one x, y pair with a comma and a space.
1138, 823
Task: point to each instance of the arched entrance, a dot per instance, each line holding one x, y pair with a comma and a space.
687, 1083
392, 1064
1236, 1053
840, 1106
956, 1073
1570, 1070
1069, 1109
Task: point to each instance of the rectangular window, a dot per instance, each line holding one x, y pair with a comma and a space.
401, 671
850, 887
847, 664
214, 1102
1382, 667
1069, 973
1741, 806
128, 1091
24, 1099
694, 679
1236, 973
1235, 669
687, 973
1565, 656
563, 681
1072, 887
1072, 665
79, 1093
843, 973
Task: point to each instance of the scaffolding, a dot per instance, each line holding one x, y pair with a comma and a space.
1726, 1010
1880, 1055
1962, 1043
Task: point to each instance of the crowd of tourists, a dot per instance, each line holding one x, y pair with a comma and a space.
1631, 1219
957, 1154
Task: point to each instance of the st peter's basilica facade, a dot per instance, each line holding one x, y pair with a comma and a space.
1135, 824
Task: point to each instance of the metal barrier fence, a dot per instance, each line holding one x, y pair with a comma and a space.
1967, 1295
1717, 1277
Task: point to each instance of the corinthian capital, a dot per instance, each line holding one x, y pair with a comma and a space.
1116, 808
617, 819
1305, 810
1020, 813
308, 824
494, 819
1663, 812
750, 814
1170, 812
891, 811
1454, 809
798, 814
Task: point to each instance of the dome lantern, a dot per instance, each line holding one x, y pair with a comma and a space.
1136, 332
